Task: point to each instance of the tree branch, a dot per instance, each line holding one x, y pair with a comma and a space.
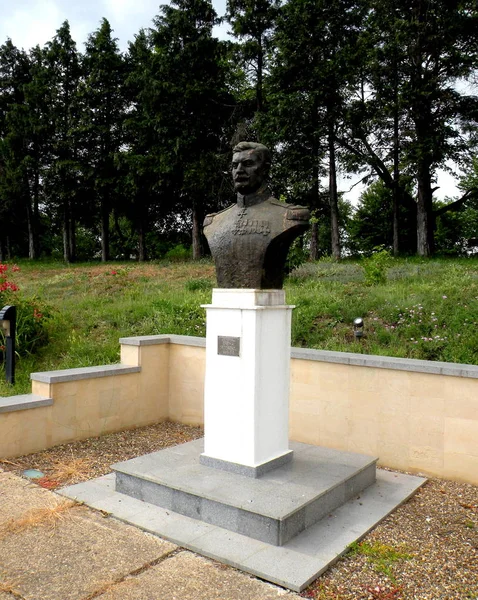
457, 203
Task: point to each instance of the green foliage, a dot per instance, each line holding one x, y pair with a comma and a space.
427, 309
178, 253
33, 317
297, 255
371, 225
381, 556
194, 285
457, 230
375, 267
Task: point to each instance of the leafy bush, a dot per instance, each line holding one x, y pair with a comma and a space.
375, 267
194, 285
178, 254
297, 255
32, 316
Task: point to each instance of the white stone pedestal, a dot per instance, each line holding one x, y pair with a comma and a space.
246, 404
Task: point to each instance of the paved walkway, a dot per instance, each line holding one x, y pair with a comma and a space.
54, 549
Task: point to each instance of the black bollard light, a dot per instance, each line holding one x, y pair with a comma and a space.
8, 321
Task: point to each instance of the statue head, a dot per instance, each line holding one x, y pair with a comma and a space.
250, 166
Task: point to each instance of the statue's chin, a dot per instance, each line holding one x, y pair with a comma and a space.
245, 189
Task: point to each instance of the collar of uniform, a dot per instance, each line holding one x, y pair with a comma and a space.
263, 193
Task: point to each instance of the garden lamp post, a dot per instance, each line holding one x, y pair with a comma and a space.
8, 319
358, 328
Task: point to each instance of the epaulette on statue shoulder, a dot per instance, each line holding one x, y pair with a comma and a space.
210, 218
276, 202
294, 211
298, 213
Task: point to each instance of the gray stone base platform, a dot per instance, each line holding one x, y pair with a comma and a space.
272, 508
286, 526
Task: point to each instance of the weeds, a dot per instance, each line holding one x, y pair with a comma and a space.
10, 587
47, 516
194, 285
381, 556
375, 267
74, 468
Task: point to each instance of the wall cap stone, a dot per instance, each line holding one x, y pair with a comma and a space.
64, 375
152, 340
23, 402
387, 362
345, 358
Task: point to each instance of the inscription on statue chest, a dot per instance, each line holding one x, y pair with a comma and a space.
250, 226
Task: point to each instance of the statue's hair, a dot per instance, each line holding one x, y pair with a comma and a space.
259, 148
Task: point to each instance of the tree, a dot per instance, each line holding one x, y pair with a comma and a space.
253, 22
321, 35
372, 224
62, 177
190, 105
103, 96
15, 138
410, 119
39, 130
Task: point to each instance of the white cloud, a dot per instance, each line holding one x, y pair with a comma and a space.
32, 22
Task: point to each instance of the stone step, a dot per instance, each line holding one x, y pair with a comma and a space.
272, 508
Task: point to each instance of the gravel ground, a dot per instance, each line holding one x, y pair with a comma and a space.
426, 550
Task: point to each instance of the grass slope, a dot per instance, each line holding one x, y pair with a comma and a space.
425, 309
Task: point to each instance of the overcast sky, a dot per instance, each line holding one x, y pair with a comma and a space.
31, 22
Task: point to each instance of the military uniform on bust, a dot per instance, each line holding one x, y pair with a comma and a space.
250, 240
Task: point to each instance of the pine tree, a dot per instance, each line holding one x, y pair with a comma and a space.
102, 95
62, 177
190, 105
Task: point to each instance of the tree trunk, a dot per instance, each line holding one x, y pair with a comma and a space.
314, 200
260, 69
334, 208
30, 227
142, 254
196, 232
141, 230
424, 210
30, 217
66, 235
105, 229
314, 241
72, 237
396, 178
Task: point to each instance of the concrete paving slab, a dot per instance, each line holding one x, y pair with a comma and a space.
201, 579
77, 557
17, 496
301, 560
98, 489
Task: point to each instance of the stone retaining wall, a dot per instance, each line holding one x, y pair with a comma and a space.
417, 416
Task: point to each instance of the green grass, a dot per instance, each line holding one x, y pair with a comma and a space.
426, 309
381, 556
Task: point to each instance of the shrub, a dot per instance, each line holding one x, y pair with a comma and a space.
178, 254
32, 316
194, 285
375, 267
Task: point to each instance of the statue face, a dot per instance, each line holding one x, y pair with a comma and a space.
248, 171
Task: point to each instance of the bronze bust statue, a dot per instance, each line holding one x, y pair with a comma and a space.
249, 241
